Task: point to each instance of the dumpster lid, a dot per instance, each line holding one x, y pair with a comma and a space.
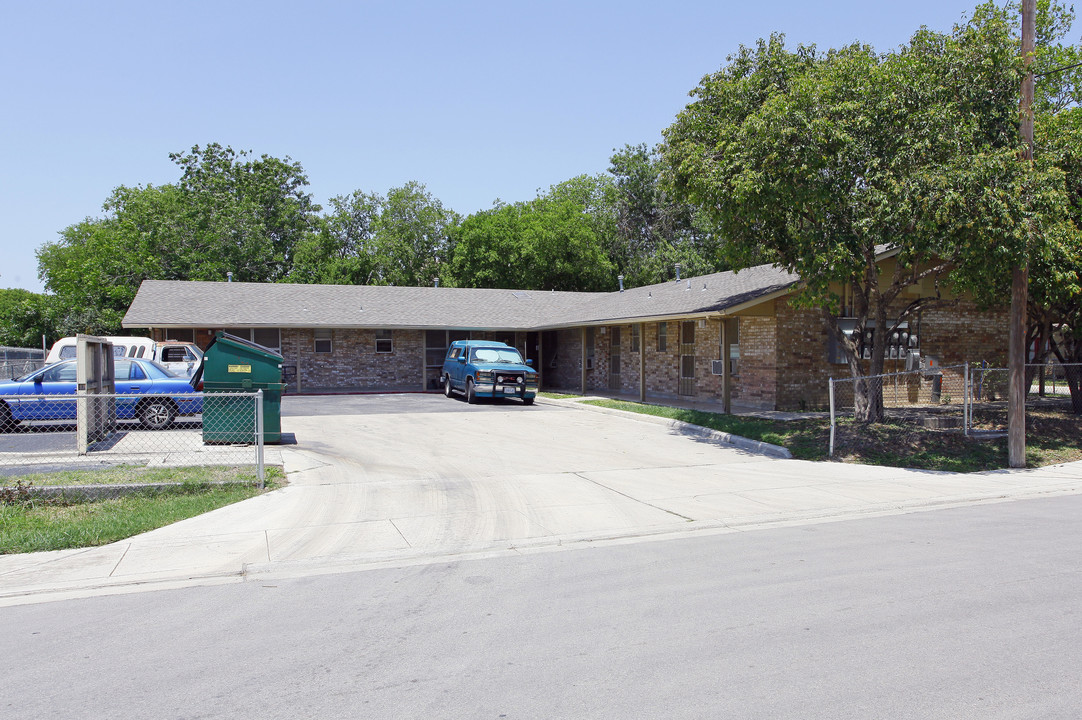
222, 335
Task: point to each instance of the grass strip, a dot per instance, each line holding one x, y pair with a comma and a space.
127, 474
1052, 437
34, 525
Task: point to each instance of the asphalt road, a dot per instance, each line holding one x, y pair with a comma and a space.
961, 613
383, 404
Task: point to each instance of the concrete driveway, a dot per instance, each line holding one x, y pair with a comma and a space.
376, 480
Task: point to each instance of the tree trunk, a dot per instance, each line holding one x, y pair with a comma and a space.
1074, 382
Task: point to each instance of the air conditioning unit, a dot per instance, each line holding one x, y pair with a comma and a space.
717, 367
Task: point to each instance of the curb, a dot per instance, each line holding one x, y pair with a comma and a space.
754, 446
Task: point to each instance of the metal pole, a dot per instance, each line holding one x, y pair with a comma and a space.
259, 438
966, 411
831, 417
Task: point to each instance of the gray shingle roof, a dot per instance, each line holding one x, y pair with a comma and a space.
170, 303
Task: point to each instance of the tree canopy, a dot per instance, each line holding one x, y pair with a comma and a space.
820, 161
226, 213
557, 241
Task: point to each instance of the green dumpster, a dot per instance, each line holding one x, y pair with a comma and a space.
235, 365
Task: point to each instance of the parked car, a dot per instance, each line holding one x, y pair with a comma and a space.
145, 390
484, 368
132, 347
183, 358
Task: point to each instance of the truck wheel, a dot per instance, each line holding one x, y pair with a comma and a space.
527, 401
471, 394
447, 386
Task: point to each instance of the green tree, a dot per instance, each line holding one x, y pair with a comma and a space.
654, 231
820, 161
241, 215
557, 241
25, 317
340, 251
227, 213
412, 236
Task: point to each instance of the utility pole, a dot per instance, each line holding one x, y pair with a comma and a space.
1016, 392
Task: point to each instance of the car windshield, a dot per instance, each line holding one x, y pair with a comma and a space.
497, 355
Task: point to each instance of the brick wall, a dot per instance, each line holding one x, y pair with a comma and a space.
783, 359
953, 335
756, 377
353, 362
662, 368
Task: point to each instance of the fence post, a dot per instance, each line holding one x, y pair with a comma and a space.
259, 438
831, 454
965, 402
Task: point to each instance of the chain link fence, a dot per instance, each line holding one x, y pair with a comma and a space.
930, 398
16, 362
969, 399
1048, 389
60, 435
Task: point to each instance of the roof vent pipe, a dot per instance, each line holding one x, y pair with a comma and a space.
621, 279
229, 276
689, 284
437, 281
677, 272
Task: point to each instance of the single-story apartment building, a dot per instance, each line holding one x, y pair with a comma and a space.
731, 337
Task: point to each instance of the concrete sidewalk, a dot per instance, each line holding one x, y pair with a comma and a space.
355, 500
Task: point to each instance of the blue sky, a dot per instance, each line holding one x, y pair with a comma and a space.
477, 100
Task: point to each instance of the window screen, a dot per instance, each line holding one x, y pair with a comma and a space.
323, 341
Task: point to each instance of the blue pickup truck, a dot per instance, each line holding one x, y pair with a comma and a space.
484, 368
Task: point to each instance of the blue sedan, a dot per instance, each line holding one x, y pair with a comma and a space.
144, 390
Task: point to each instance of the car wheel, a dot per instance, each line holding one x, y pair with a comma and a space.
447, 386
7, 422
527, 401
157, 413
471, 394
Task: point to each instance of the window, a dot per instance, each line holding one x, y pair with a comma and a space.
132, 372
60, 373
267, 337
662, 337
589, 348
177, 354
323, 341
182, 334
384, 341
636, 338
733, 331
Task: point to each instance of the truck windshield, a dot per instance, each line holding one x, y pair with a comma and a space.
497, 355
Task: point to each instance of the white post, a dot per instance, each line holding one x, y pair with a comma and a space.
966, 417
831, 417
259, 437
